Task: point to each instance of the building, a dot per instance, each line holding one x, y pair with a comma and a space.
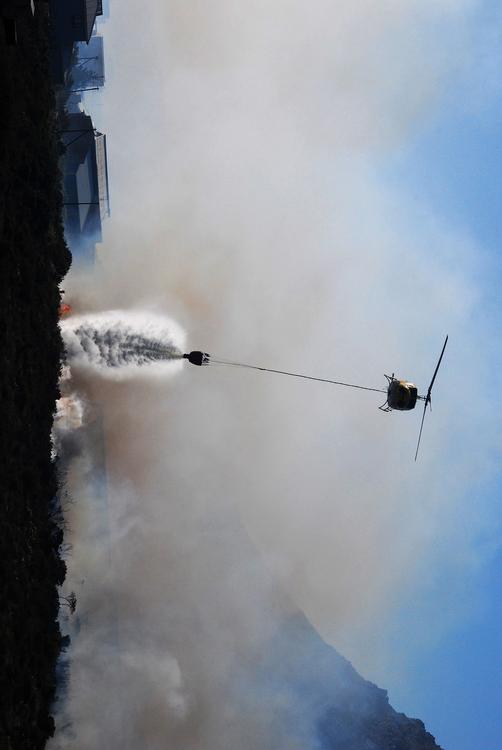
73, 20
70, 21
85, 186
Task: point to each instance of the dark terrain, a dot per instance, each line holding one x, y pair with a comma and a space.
338, 708
33, 260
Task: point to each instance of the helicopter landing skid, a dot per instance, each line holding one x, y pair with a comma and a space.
385, 406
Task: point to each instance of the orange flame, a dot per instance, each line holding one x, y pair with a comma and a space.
64, 309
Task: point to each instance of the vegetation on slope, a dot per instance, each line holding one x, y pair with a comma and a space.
33, 260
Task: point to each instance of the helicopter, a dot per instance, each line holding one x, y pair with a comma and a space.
401, 395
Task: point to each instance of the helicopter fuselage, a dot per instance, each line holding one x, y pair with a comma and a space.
402, 395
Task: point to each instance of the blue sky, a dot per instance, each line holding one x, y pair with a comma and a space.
458, 685
455, 167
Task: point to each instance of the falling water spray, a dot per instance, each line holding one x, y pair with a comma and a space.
120, 344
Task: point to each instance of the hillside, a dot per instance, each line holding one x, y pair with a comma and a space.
339, 710
33, 260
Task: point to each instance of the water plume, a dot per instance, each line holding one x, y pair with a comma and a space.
118, 343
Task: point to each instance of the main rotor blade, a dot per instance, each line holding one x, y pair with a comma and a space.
437, 368
427, 401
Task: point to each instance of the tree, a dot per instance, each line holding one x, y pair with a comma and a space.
69, 601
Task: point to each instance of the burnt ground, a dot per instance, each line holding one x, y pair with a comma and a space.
33, 259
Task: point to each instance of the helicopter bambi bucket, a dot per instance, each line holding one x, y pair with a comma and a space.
402, 395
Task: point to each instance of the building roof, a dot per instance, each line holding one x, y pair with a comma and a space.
85, 179
102, 173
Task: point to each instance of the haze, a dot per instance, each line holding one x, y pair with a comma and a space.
250, 203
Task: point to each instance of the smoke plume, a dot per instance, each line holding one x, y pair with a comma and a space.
245, 155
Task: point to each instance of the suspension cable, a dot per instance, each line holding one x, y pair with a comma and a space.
294, 375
